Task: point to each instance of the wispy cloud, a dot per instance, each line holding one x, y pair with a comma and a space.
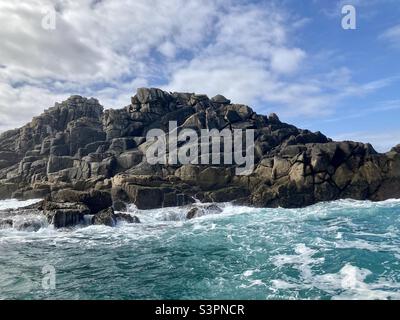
392, 35
101, 48
381, 141
362, 111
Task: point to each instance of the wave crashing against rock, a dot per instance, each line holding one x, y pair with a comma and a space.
80, 146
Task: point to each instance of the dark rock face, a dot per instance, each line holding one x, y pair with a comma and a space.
105, 217
95, 200
69, 208
126, 217
67, 214
6, 223
196, 212
109, 218
119, 206
89, 159
193, 213
396, 149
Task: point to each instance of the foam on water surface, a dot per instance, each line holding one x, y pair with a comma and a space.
338, 250
15, 204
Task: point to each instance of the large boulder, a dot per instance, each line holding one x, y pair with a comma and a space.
196, 212
8, 158
7, 189
232, 116
227, 194
105, 217
109, 218
145, 197
128, 160
82, 132
126, 218
95, 200
66, 214
193, 213
396, 149
220, 99
389, 189
120, 145
146, 95
119, 205
57, 163
205, 177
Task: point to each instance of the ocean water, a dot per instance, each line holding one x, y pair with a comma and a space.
338, 250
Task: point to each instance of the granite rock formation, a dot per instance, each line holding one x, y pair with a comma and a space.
83, 159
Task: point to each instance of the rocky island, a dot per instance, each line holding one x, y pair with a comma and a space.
87, 162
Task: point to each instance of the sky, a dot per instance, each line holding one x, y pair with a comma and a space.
291, 57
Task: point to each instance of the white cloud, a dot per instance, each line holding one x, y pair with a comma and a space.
252, 60
97, 42
67, 53
245, 58
238, 78
392, 35
19, 106
286, 60
106, 49
95, 47
168, 49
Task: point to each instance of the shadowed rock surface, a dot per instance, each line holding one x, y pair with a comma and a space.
78, 153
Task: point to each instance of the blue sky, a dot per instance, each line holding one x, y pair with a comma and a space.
291, 57
369, 54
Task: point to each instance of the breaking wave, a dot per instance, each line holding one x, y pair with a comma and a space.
344, 249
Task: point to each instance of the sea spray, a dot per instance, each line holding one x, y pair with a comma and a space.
336, 250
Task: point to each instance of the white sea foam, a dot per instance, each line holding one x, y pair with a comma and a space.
302, 260
249, 273
282, 252
252, 283
15, 204
351, 281
366, 245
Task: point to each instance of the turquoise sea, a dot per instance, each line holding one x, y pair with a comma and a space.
338, 250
